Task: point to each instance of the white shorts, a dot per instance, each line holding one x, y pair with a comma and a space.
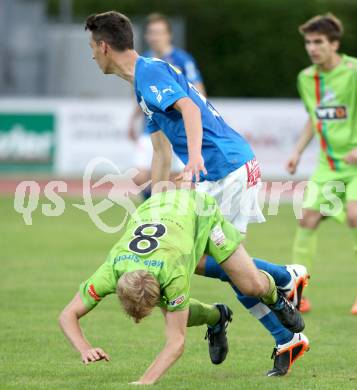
144, 152
237, 195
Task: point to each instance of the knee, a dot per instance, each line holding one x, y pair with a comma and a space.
310, 219
352, 221
352, 216
201, 266
256, 287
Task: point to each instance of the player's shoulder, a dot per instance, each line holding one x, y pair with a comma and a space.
147, 63
307, 73
350, 63
149, 67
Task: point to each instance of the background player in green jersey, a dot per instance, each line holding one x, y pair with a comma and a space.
328, 89
152, 264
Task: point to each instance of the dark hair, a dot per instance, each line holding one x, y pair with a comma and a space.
113, 28
156, 17
327, 25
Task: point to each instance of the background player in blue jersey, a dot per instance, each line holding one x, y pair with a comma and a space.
180, 116
158, 36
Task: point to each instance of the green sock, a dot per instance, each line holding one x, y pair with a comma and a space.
201, 313
304, 248
272, 295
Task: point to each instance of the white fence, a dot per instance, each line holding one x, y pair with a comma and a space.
84, 129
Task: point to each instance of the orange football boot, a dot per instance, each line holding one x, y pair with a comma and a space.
286, 354
305, 305
354, 308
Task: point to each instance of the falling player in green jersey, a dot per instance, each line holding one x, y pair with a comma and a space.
328, 89
152, 265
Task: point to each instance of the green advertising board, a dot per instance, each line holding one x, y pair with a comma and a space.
27, 142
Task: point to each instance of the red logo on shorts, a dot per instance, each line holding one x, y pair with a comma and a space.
253, 173
93, 293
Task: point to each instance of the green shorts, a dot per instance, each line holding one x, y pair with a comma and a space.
330, 197
223, 238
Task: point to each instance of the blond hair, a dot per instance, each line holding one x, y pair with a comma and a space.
327, 24
139, 293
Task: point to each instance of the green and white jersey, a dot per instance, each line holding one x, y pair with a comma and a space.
331, 101
166, 236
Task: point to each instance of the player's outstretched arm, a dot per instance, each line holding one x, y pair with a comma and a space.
175, 324
303, 140
69, 322
191, 115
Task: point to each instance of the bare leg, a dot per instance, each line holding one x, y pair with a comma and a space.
244, 274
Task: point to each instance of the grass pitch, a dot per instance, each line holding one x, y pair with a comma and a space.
43, 264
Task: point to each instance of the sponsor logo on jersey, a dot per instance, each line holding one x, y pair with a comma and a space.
93, 293
169, 89
154, 263
130, 257
331, 113
156, 92
329, 96
177, 301
217, 236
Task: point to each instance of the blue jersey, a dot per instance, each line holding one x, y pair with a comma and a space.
183, 61
158, 85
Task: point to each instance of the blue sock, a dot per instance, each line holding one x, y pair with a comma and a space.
279, 273
266, 317
260, 311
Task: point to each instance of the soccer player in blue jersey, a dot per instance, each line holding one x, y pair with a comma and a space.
180, 116
158, 36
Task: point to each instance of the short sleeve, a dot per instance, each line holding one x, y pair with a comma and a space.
176, 295
159, 88
100, 284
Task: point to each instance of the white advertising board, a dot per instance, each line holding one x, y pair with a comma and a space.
89, 128
272, 127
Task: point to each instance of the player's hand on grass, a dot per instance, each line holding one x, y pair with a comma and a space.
351, 157
194, 166
94, 355
293, 163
